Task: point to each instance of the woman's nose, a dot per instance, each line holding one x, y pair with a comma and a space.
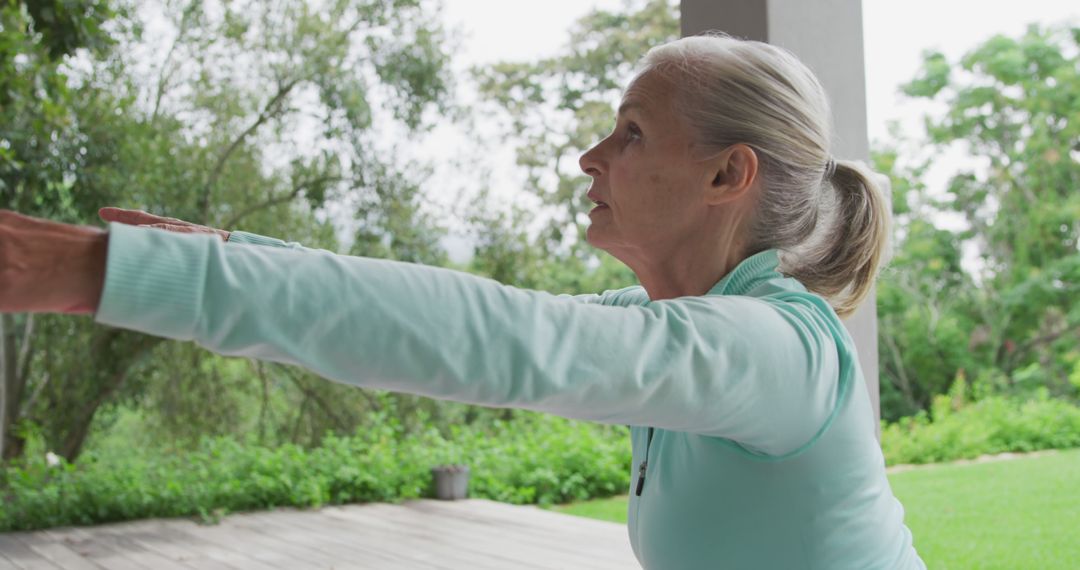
590, 162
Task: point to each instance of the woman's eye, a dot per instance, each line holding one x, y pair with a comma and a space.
632, 131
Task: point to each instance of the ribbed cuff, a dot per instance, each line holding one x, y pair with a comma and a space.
255, 239
154, 280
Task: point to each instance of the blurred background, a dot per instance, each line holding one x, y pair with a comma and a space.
448, 133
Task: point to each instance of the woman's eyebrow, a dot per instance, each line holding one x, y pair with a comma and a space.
628, 105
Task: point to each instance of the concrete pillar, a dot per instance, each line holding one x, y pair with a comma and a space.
827, 36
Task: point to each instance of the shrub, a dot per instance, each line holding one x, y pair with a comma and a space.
995, 424
532, 459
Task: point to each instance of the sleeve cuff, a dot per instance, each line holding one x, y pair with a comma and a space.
154, 280
256, 239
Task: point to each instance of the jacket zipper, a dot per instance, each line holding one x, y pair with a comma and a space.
644, 464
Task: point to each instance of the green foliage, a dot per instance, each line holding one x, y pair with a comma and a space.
933, 77
257, 403
535, 459
67, 25
253, 115
39, 146
1011, 104
995, 424
532, 459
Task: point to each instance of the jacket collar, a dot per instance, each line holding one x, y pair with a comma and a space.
748, 274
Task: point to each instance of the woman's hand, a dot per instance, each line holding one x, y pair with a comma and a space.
49, 267
140, 218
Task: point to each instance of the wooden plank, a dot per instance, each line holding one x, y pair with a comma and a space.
174, 533
21, 555
297, 542
413, 542
528, 514
118, 538
589, 535
417, 540
113, 552
408, 544
606, 544
147, 535
89, 548
442, 539
602, 540
264, 548
473, 536
531, 527
350, 544
55, 551
531, 518
416, 535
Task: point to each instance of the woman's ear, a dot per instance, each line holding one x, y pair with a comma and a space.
734, 172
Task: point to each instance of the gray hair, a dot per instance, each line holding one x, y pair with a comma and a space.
829, 218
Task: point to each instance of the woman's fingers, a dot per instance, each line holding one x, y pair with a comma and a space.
179, 229
130, 217
144, 219
137, 217
224, 235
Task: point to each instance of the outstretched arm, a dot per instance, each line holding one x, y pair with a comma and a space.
761, 373
764, 372
146, 219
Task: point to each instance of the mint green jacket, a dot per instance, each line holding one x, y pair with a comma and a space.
753, 437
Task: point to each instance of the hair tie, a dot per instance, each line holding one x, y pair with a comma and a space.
830, 169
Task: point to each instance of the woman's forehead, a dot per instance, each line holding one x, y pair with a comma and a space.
647, 94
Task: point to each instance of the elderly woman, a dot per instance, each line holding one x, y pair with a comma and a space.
752, 432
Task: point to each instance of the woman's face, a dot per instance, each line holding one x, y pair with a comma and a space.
645, 179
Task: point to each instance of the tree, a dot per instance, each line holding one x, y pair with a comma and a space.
554, 109
1012, 103
254, 114
923, 298
39, 154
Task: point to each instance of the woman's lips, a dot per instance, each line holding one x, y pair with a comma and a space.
600, 206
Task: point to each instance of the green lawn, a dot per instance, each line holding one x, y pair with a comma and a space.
1017, 514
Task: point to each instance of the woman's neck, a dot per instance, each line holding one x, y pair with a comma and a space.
692, 262
685, 271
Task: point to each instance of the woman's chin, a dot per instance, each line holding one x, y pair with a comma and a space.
592, 236
598, 238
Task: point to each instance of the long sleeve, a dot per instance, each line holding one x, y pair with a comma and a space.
762, 373
249, 238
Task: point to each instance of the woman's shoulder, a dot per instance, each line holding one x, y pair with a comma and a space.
625, 297
780, 294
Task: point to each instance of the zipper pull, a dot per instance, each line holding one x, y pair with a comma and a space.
641, 477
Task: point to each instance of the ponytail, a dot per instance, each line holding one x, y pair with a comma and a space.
843, 265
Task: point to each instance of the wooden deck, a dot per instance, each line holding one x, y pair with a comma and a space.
473, 534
